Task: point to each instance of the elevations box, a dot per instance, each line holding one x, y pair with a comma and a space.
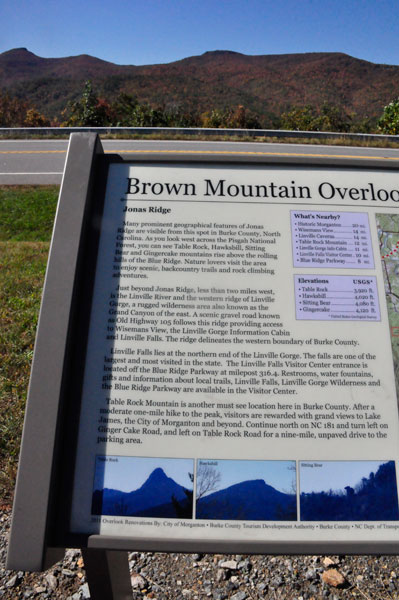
216, 359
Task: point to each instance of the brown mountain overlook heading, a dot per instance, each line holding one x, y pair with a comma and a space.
267, 85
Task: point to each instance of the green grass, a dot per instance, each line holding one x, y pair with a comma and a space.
22, 268
26, 220
27, 212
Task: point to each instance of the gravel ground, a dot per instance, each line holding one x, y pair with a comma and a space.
159, 576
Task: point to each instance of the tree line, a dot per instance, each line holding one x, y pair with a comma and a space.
90, 110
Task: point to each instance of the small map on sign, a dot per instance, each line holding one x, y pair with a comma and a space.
388, 236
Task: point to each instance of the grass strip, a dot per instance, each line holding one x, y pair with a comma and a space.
27, 212
22, 269
26, 222
319, 141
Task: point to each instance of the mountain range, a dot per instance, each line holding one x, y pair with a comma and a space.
266, 84
159, 496
252, 500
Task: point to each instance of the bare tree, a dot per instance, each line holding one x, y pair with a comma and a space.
292, 486
208, 479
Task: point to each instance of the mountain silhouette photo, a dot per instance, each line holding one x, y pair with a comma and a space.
159, 496
252, 500
373, 498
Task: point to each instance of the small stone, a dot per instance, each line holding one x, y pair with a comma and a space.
239, 596
328, 562
68, 573
229, 564
220, 575
137, 581
84, 590
219, 595
80, 563
333, 577
39, 589
310, 574
234, 579
231, 586
276, 582
12, 582
246, 565
51, 581
196, 557
261, 586
134, 555
72, 555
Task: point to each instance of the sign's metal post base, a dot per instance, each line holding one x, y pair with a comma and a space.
107, 573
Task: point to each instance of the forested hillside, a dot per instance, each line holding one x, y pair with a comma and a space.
265, 86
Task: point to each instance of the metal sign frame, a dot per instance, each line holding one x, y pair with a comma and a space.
43, 492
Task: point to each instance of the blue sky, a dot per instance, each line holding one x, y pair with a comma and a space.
334, 475
277, 473
127, 473
158, 31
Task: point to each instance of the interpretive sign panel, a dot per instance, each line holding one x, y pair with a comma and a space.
217, 362
239, 380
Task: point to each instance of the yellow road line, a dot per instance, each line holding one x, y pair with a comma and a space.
224, 152
250, 153
32, 151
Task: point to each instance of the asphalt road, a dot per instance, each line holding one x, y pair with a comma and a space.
42, 161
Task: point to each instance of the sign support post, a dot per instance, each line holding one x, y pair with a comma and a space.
107, 573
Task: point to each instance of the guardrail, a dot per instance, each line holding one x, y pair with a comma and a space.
273, 133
